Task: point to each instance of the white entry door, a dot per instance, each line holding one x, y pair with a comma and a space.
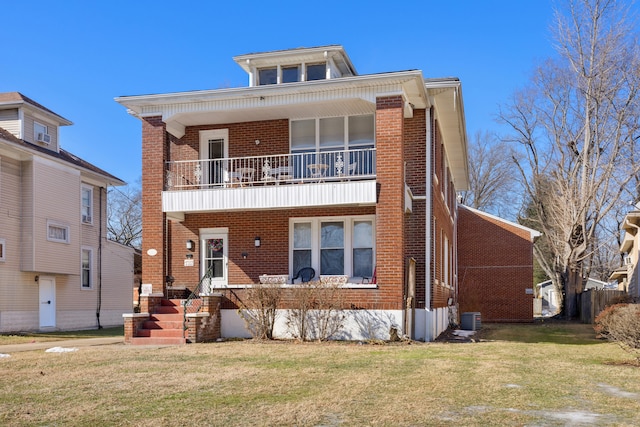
214, 259
47, 300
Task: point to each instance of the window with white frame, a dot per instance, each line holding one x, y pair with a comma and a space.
334, 245
292, 73
3, 250
40, 132
85, 268
342, 143
87, 204
57, 232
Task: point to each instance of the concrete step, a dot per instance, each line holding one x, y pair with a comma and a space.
157, 341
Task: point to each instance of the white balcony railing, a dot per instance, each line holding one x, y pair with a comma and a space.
323, 166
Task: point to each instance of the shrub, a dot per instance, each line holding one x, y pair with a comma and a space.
259, 309
316, 312
620, 323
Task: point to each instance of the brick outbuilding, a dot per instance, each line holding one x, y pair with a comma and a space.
495, 267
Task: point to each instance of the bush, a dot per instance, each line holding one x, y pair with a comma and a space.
620, 323
259, 309
316, 312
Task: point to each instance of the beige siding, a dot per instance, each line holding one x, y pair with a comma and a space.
117, 277
52, 129
9, 121
27, 243
56, 197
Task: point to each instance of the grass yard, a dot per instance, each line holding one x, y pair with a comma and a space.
553, 374
24, 338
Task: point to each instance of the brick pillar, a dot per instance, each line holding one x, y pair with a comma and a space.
153, 220
390, 206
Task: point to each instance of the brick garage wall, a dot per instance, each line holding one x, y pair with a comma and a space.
496, 268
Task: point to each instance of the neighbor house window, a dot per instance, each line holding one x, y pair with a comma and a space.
334, 245
292, 73
87, 256
3, 250
87, 204
57, 232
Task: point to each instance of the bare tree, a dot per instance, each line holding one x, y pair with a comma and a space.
576, 127
124, 215
491, 176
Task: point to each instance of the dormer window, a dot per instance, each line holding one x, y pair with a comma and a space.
292, 73
40, 133
316, 72
268, 76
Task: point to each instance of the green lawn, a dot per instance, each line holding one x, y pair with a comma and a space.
537, 375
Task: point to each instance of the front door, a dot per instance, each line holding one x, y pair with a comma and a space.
214, 260
47, 300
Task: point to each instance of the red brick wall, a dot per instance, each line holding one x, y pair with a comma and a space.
390, 207
442, 211
154, 155
416, 156
496, 268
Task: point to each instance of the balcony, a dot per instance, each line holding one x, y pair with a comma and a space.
331, 178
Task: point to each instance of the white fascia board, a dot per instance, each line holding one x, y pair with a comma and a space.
534, 233
159, 102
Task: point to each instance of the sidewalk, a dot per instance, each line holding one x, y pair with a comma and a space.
80, 342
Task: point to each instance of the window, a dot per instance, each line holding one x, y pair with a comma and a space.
85, 269
290, 74
333, 135
334, 245
57, 232
3, 250
87, 204
317, 71
40, 132
268, 76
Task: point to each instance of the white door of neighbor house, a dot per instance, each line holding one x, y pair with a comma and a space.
214, 259
47, 300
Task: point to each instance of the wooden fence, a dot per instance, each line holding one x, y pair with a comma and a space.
593, 301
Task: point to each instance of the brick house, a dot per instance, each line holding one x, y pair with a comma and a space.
310, 165
495, 267
58, 271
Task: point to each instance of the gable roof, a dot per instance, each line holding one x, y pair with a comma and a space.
18, 99
62, 155
534, 233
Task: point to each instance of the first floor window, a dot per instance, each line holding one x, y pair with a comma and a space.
3, 250
86, 268
57, 232
334, 245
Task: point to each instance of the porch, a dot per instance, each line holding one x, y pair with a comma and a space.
331, 178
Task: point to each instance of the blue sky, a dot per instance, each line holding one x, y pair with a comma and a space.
75, 57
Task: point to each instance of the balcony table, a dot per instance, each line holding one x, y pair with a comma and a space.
246, 175
317, 170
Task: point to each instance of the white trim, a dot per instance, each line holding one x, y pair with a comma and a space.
534, 233
83, 218
91, 268
348, 221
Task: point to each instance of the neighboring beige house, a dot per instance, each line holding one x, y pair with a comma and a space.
57, 269
627, 275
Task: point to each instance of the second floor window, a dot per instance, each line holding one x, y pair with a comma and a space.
87, 205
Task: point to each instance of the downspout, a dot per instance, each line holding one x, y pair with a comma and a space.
428, 215
99, 260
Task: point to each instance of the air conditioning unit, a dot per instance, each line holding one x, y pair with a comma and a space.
86, 218
627, 260
44, 137
470, 321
